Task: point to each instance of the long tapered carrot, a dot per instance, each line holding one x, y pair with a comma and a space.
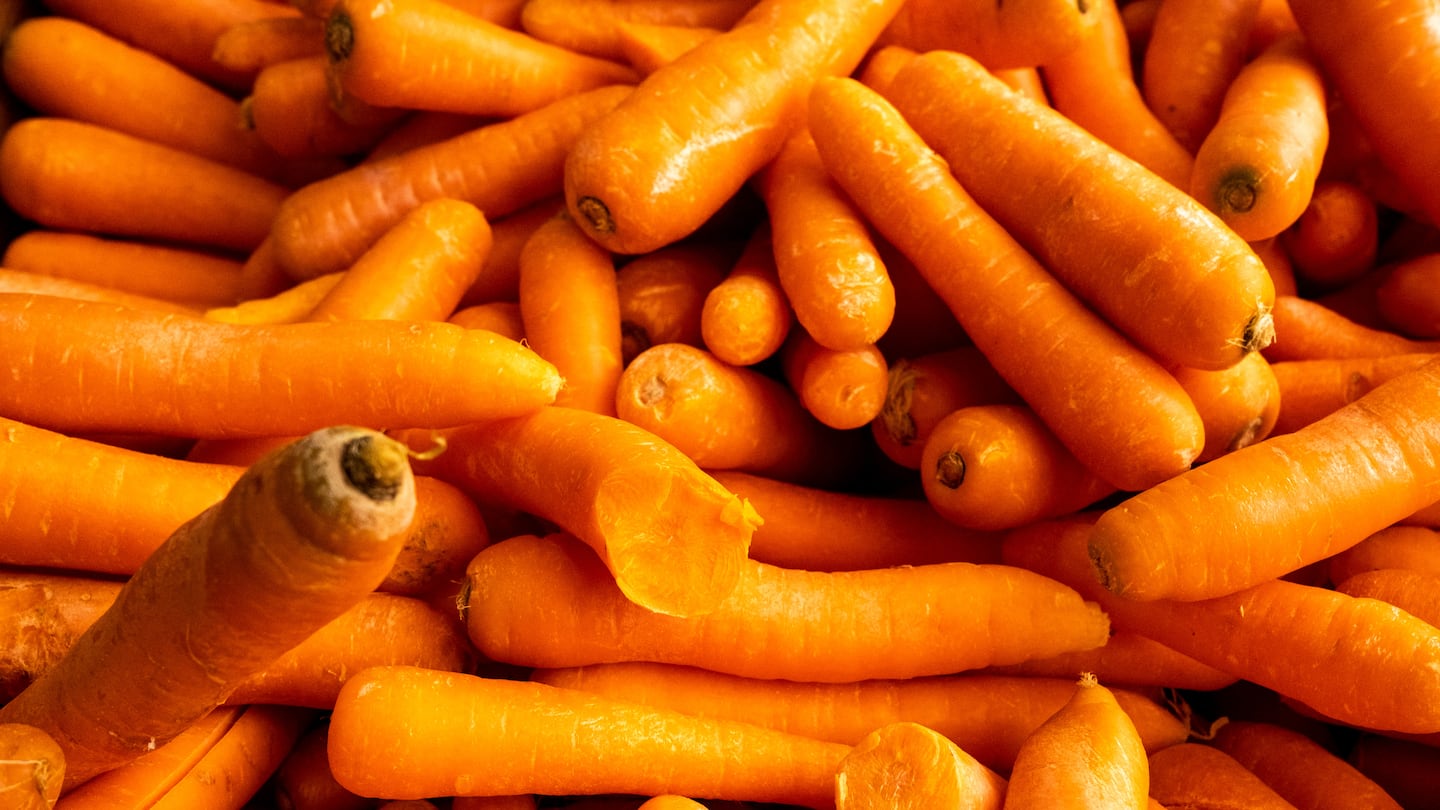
1192, 55
995, 289
656, 168
175, 273
905, 765
494, 737
746, 317
499, 168
199, 378
593, 26
300, 538
17, 282
1194, 774
1307, 329
1311, 389
1304, 772
70, 175
1000, 36
32, 767
876, 623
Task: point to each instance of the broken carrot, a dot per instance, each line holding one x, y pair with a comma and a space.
906, 764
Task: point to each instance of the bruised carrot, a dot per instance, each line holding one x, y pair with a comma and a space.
1406, 297
249, 46
1304, 772
1415, 548
32, 767
1238, 405
497, 737
1127, 659
746, 317
662, 294
999, 36
1311, 389
21, 282
1309, 330
290, 107
290, 305
905, 764
842, 389
333, 506
926, 388
1193, 774
198, 277
595, 27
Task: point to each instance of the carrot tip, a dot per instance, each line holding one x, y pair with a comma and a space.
895, 414
375, 466
596, 214
1259, 330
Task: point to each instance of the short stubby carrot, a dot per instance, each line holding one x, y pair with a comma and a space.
1158, 264
746, 316
908, 765
1239, 405
843, 389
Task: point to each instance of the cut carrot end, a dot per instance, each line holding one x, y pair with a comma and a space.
950, 470
596, 214
375, 466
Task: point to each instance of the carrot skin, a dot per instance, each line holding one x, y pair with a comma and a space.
32, 767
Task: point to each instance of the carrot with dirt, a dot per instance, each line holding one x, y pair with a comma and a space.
1201, 776
843, 389
1042, 340
925, 388
746, 317
1306, 329
290, 107
1406, 298
195, 277
907, 764
499, 168
1304, 772
1000, 36
1414, 548
670, 155
1311, 389
673, 538
429, 55
1174, 277
1335, 239
301, 537
498, 737
70, 175
662, 294
250, 46
32, 767
595, 27
1239, 405
85, 366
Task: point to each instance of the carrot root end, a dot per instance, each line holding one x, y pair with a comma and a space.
1259, 331
950, 469
339, 36
596, 214
375, 466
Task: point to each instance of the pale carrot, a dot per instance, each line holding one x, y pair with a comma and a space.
905, 764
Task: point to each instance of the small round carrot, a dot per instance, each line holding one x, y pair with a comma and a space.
293, 304
1335, 239
249, 46
662, 294
596, 27
500, 317
300, 538
21, 282
1198, 775
200, 277
993, 467
1193, 53
746, 317
998, 35
1306, 329
1414, 548
1304, 772
924, 389
1087, 755
32, 767
1257, 166
1239, 405
1416, 592
842, 389
1406, 298
1311, 389
290, 108
907, 765
303, 781
70, 175
1127, 659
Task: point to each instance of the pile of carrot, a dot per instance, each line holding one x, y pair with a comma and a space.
729, 404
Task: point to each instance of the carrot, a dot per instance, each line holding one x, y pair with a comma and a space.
500, 317
1336, 237
418, 270
827, 262
923, 322
300, 538
1257, 166
1277, 261
303, 781
1302, 771
522, 801
24, 282
291, 108
1127, 659
1306, 329
1406, 297
746, 317
67, 174
731, 417
1238, 405
496, 737
422, 128
673, 538
662, 294
999, 36
988, 716
43, 614
1203, 305
1413, 591
877, 623
247, 47
925, 388
290, 305
1311, 389
499, 279
65, 68
1191, 57
197, 277
570, 308
1093, 84
261, 274
1087, 754
909, 765
428, 55
842, 389
1200, 776
1405, 769
1415, 548
1268, 509
749, 82
596, 27
188, 376
946, 233
822, 530
499, 168
32, 767
993, 467
647, 47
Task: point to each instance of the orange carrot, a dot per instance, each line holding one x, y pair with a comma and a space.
500, 317
1193, 53
422, 128
199, 277
19, 282
1239, 405
303, 781
647, 47
595, 26
32, 767
499, 168
1088, 754
1416, 592
1277, 261
679, 553
909, 765
290, 305
429, 55
654, 169
1257, 166
662, 294
1201, 776
877, 623
249, 46
42, 615
1127, 659
500, 277
746, 318
1336, 237
999, 36
291, 108
1311, 389
842, 389
945, 232
261, 274
671, 801
924, 389
1175, 278
301, 537
1306, 329
1404, 768
67, 174
188, 376
1415, 548
1406, 297
1298, 768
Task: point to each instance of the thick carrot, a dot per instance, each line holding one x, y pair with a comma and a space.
906, 764
1415, 548
290, 107
570, 307
32, 767
1406, 297
499, 168
22, 282
674, 539
1239, 405
70, 175
595, 26
496, 737
1273, 507
746, 316
500, 317
300, 538
1000, 36
1307, 329
662, 294
303, 781
844, 389
1304, 772
199, 378
647, 47
1257, 166
877, 623
693, 132
429, 55
988, 716
1203, 777
1174, 277
293, 304
1127, 659
1335, 239
1415, 592
249, 46
1193, 53
999, 292
1311, 389
1086, 755
923, 389
199, 277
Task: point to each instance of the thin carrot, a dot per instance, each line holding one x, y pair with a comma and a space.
500, 317
17, 282
673, 537
1311, 389
1127, 659
1175, 278
999, 36
67, 174
290, 107
842, 389
570, 307
662, 294
333, 506
429, 55
32, 767
1306, 329
923, 389
198, 277
946, 233
1193, 53
1335, 239
194, 377
647, 47
749, 82
1201, 776
595, 26
1239, 405
1406, 298
247, 47
903, 765
877, 623
1304, 772
290, 305
499, 168
1414, 548
746, 318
